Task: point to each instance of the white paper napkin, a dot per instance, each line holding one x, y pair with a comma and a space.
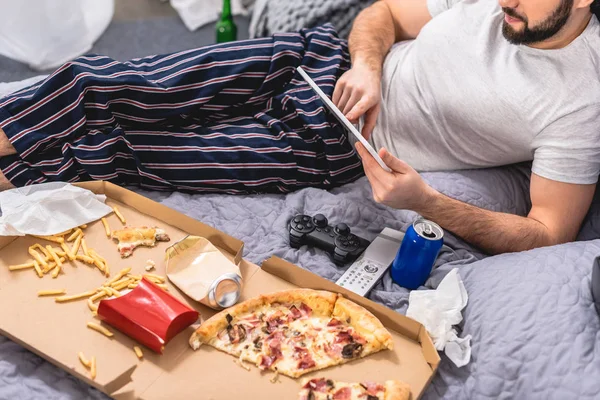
48, 208
439, 310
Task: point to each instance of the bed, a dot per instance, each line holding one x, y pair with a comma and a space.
531, 316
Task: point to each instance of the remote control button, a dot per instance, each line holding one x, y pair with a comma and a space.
309, 225
331, 234
318, 230
342, 229
305, 218
371, 269
297, 219
320, 220
300, 226
327, 229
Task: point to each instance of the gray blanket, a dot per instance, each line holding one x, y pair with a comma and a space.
530, 314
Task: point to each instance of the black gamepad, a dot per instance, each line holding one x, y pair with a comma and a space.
344, 246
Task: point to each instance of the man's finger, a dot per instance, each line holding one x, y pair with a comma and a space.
394, 163
371, 171
358, 110
354, 98
370, 121
337, 92
345, 96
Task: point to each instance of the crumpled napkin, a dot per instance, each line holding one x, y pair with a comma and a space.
48, 209
439, 310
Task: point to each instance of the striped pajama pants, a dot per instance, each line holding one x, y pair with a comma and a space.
229, 118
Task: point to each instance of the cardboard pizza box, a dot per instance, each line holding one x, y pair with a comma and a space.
57, 332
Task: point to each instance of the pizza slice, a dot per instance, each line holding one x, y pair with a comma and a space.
130, 238
295, 331
327, 389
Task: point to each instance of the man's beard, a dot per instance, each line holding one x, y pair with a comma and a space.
543, 31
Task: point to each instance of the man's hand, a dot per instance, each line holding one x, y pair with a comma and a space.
358, 93
402, 188
557, 211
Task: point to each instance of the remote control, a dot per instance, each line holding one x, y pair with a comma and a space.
366, 271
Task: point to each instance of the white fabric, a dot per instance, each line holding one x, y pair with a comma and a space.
47, 33
7, 88
48, 209
197, 13
439, 310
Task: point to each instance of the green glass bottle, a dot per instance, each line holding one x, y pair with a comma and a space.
226, 28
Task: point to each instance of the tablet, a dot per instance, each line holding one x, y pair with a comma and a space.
342, 118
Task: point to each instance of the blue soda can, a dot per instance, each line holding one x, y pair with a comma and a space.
416, 256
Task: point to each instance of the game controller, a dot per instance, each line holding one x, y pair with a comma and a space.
316, 231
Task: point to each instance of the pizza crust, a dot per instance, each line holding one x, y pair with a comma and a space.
321, 302
364, 322
396, 390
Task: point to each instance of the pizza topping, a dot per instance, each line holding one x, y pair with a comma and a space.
343, 394
372, 388
237, 333
318, 384
370, 397
257, 343
229, 318
306, 310
344, 337
334, 322
306, 363
295, 313
352, 350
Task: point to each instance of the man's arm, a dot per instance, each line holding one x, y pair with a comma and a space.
374, 31
557, 212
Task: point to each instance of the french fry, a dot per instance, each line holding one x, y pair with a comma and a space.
114, 283
155, 278
136, 277
50, 238
49, 268
60, 253
138, 352
68, 251
64, 299
43, 250
98, 296
37, 257
106, 227
119, 215
56, 271
132, 285
74, 235
63, 233
83, 226
38, 270
163, 286
118, 276
28, 265
93, 368
54, 255
99, 328
84, 247
91, 305
77, 244
85, 259
51, 292
86, 363
113, 292
122, 284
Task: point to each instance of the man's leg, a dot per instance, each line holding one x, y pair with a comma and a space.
75, 125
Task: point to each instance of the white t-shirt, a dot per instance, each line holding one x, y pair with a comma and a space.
461, 96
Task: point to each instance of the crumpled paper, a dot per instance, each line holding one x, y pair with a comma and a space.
439, 310
48, 209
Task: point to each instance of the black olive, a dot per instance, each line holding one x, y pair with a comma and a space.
351, 350
369, 397
311, 395
257, 343
229, 318
329, 383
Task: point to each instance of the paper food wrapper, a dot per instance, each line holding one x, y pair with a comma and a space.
48, 209
195, 265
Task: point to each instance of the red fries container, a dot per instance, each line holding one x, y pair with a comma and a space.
148, 314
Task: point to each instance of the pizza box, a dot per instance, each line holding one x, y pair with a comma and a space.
57, 332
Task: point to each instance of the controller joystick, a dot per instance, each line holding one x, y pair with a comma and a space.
344, 246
